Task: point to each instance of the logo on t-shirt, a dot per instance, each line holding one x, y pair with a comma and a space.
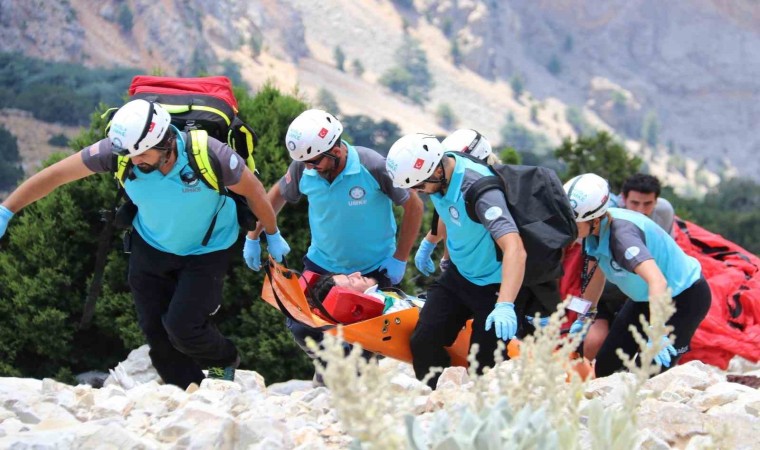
419, 163
189, 179
632, 252
357, 193
615, 266
453, 213
493, 213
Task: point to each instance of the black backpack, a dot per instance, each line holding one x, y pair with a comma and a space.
541, 210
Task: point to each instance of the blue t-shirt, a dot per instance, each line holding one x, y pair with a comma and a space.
353, 228
471, 245
174, 211
632, 238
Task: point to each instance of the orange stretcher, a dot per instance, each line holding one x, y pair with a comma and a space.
387, 335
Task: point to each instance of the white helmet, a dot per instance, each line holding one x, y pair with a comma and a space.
413, 158
137, 127
468, 141
313, 132
588, 194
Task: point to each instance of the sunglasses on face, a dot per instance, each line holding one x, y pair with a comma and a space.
315, 162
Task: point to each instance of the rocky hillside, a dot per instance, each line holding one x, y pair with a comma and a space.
693, 406
685, 67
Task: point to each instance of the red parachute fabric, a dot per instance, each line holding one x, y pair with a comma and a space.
216, 86
570, 283
732, 326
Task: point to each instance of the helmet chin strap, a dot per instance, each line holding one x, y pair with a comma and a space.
442, 181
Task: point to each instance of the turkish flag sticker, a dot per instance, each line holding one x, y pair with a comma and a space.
419, 163
323, 132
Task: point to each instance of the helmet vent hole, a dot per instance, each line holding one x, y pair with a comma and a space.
308, 151
426, 148
408, 181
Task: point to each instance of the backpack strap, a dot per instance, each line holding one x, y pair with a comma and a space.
243, 140
122, 169
201, 160
478, 188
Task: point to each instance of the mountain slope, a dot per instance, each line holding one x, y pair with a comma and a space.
614, 64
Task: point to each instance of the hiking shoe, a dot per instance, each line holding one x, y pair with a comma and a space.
224, 373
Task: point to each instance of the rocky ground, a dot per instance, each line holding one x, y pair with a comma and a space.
692, 406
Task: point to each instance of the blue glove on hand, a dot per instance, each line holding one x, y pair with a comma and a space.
252, 253
277, 246
505, 319
577, 326
5, 217
394, 269
542, 322
664, 357
422, 258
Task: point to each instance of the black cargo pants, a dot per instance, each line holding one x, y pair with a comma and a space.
176, 297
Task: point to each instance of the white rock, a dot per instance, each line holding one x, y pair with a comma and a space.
650, 441
453, 377
250, 380
40, 440
264, 432
403, 383
116, 406
670, 421
288, 387
110, 436
700, 443
221, 385
741, 366
12, 426
13, 390
203, 426
612, 390
753, 408
694, 375
136, 369
716, 395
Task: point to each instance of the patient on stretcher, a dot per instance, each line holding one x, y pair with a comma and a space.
353, 297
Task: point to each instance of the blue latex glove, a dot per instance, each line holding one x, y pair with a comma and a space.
664, 357
505, 319
277, 246
5, 217
577, 326
542, 322
422, 258
252, 253
394, 269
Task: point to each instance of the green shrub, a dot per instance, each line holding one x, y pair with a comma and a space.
445, 116
411, 76
10, 160
59, 140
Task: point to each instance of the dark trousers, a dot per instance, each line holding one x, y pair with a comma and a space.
451, 301
300, 331
691, 305
176, 297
